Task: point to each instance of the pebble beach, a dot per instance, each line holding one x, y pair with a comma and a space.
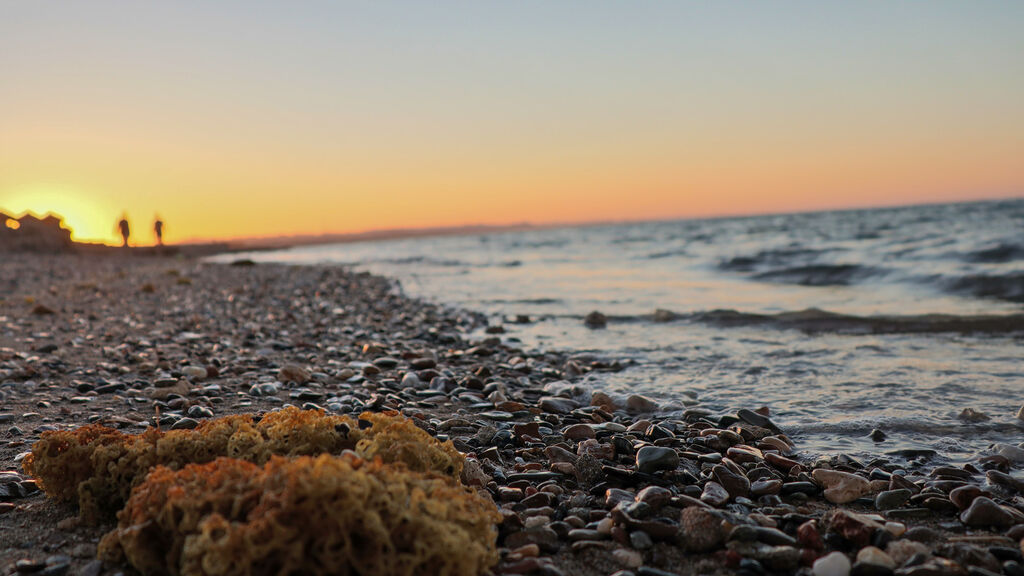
587, 481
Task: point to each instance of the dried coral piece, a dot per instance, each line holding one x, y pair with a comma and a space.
394, 438
99, 466
320, 516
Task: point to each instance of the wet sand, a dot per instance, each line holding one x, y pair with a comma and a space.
588, 483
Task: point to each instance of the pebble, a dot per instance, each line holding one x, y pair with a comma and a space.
890, 499
650, 459
637, 404
875, 556
756, 419
700, 530
579, 432
628, 558
737, 485
834, 564
714, 494
964, 495
983, 512
293, 373
185, 424
841, 487
595, 319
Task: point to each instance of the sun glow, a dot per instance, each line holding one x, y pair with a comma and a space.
88, 221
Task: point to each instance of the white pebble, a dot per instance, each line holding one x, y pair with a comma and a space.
835, 564
897, 529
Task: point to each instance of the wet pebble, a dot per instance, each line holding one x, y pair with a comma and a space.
983, 512
650, 459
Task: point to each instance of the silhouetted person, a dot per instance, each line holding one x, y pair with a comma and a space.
122, 227
158, 229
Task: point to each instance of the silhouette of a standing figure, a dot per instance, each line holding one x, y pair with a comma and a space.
122, 227
158, 228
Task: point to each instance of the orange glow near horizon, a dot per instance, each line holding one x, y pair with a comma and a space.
343, 119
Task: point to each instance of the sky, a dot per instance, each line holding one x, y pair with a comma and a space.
246, 119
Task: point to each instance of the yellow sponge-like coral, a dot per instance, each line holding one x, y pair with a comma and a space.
321, 516
396, 439
99, 466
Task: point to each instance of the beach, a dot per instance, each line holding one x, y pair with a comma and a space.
587, 481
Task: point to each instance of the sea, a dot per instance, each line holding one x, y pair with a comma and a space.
908, 320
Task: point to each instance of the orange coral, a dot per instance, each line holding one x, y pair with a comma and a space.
99, 466
321, 516
397, 439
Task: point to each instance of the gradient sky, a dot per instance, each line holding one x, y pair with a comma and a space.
235, 119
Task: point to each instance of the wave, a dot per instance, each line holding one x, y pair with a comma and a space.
1008, 287
420, 260
764, 258
666, 254
1000, 253
525, 301
820, 274
816, 321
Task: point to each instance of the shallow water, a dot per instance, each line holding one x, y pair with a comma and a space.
840, 322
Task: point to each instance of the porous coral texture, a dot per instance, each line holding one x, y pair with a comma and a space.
394, 438
319, 516
99, 466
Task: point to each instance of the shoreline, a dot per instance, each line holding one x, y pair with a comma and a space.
98, 332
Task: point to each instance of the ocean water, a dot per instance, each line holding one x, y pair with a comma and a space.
840, 322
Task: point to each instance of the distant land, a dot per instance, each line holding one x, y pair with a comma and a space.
288, 241
33, 233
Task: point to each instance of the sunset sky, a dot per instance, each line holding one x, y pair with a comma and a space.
241, 119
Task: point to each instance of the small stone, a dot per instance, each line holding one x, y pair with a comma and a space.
902, 550
650, 459
542, 536
807, 535
579, 432
637, 404
970, 415
27, 565
603, 401
983, 512
699, 529
557, 405
293, 373
714, 494
194, 373
872, 555
857, 529
751, 417
411, 380
595, 319
640, 540
890, 499
185, 424
834, 564
841, 487
964, 495
897, 529
737, 485
654, 496
628, 558
764, 487
615, 496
